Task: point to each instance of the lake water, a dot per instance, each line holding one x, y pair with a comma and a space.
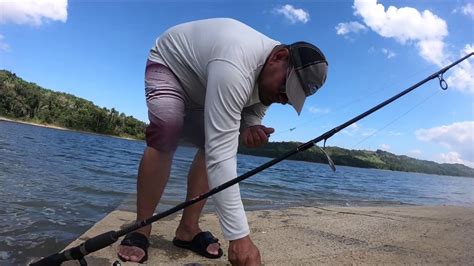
56, 184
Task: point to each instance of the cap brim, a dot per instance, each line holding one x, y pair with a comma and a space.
295, 92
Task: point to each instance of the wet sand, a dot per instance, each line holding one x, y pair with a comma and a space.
32, 123
59, 128
321, 235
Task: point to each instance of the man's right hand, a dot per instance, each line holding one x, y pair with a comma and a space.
255, 136
243, 252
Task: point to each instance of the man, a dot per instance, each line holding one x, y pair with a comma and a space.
211, 81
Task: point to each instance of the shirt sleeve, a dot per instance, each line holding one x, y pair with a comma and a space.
252, 115
226, 94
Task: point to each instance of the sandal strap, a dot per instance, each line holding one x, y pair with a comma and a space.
136, 239
204, 239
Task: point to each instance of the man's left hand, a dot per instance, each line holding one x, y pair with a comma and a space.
255, 136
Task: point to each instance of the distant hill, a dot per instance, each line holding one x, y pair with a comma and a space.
360, 158
25, 101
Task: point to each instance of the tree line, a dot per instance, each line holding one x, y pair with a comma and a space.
29, 102
360, 158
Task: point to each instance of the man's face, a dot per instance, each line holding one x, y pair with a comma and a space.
272, 79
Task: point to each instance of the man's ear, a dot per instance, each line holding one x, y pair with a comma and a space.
280, 55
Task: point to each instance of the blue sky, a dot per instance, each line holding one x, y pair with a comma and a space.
97, 50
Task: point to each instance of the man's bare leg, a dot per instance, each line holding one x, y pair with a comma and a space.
153, 174
197, 185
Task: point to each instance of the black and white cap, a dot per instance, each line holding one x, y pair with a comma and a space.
308, 73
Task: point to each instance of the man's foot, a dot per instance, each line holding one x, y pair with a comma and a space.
134, 247
203, 243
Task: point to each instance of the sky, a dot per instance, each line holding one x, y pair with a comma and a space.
97, 50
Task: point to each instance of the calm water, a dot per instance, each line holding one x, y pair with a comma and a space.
56, 184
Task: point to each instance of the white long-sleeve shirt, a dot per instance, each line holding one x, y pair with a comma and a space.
218, 61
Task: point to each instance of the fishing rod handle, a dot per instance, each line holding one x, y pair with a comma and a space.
78, 252
55, 259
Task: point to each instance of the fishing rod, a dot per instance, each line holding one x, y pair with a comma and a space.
103, 240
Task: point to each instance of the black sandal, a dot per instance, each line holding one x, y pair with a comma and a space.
199, 244
138, 240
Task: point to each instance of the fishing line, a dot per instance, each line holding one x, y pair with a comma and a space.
397, 118
388, 86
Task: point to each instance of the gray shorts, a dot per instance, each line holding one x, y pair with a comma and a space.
171, 118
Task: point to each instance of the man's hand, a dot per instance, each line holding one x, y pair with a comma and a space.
255, 136
243, 252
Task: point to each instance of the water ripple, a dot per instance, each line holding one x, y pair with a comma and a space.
55, 184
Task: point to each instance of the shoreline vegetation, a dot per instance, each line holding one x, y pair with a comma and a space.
378, 159
28, 103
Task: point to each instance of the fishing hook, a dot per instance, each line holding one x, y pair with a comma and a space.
330, 161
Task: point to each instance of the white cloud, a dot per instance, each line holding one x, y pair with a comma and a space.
432, 50
368, 132
454, 157
315, 110
462, 76
293, 14
450, 157
394, 133
353, 26
457, 137
415, 152
353, 126
388, 53
33, 12
385, 147
467, 10
406, 25
3, 45
351, 129
355, 129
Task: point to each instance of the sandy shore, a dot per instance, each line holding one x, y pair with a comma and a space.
322, 235
33, 124
60, 128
